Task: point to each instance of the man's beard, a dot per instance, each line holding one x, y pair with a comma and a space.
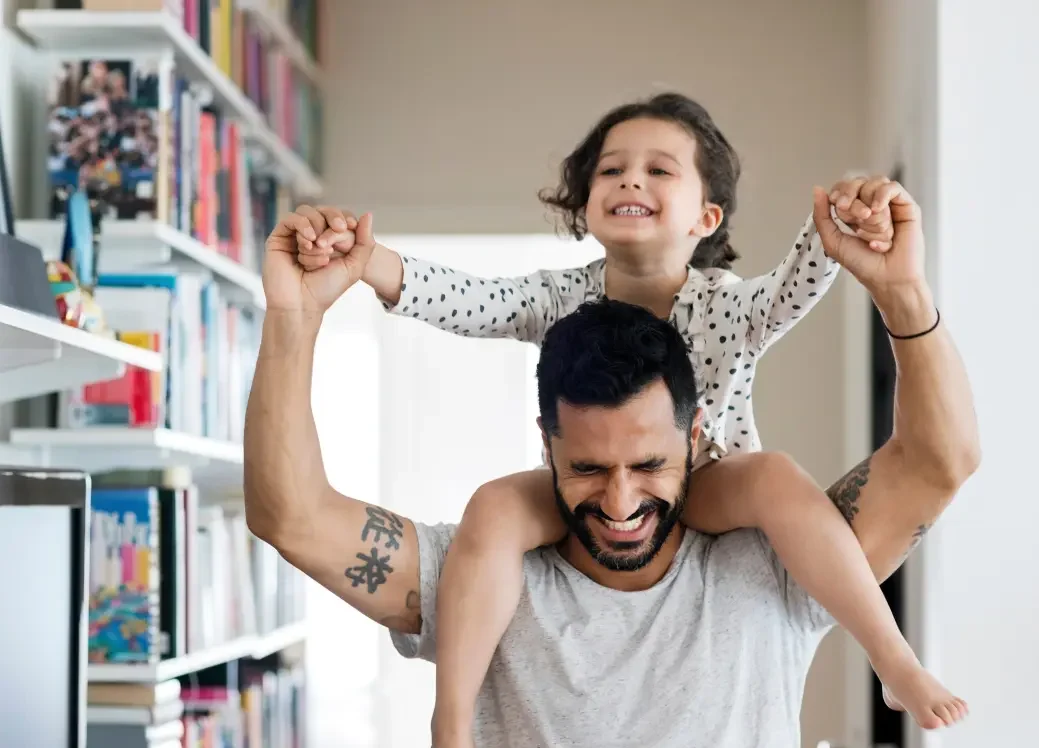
630, 556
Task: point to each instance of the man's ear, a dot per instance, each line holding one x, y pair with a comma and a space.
695, 431
710, 219
546, 448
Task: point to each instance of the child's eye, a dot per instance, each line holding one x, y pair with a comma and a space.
610, 172
659, 172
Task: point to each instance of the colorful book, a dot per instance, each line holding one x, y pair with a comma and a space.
124, 576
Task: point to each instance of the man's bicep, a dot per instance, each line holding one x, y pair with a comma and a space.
363, 553
886, 503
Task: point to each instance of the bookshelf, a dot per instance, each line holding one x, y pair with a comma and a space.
40, 355
205, 128
127, 245
284, 37
82, 34
246, 647
102, 449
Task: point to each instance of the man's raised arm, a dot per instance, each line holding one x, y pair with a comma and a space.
363, 553
894, 496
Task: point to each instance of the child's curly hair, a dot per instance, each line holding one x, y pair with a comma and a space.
717, 162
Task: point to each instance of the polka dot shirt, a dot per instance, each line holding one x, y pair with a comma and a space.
727, 322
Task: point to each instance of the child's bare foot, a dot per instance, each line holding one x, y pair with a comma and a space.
908, 687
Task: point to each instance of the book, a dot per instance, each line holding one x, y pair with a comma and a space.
123, 607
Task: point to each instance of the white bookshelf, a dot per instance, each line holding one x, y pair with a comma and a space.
278, 31
133, 245
81, 34
99, 449
39, 355
255, 647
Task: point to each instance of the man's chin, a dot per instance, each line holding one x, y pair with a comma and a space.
625, 560
622, 555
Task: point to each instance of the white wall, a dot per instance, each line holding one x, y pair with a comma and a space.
982, 566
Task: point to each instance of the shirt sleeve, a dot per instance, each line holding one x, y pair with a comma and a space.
433, 542
780, 298
520, 308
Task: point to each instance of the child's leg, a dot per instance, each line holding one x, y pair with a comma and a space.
480, 586
820, 551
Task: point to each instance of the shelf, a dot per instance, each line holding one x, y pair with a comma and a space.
82, 34
132, 245
253, 647
39, 356
104, 448
285, 38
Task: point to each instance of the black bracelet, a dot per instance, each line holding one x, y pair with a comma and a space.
916, 334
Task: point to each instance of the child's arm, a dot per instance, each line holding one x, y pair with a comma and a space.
779, 299
480, 587
521, 308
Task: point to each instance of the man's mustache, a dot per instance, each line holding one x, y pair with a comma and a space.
593, 509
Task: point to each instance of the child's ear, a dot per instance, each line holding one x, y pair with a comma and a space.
710, 219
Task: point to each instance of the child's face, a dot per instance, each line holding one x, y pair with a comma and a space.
647, 191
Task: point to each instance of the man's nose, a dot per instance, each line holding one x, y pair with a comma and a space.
622, 499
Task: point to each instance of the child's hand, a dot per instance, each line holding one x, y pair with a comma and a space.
852, 201
331, 232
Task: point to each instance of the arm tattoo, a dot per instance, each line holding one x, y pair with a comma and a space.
410, 619
381, 522
845, 492
373, 569
918, 535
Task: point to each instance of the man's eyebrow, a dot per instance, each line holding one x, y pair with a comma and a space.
654, 462
651, 463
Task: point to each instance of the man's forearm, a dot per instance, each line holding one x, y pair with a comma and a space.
893, 496
934, 421
284, 473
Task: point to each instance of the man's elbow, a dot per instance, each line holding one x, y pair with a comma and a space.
966, 462
264, 511
951, 468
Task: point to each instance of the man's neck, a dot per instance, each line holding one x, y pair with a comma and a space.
574, 552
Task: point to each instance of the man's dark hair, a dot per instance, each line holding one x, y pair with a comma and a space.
716, 160
607, 352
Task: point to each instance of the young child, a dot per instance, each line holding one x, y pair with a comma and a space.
654, 182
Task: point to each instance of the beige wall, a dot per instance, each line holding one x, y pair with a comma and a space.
449, 116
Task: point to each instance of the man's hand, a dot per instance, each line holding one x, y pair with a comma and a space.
854, 210
289, 284
897, 273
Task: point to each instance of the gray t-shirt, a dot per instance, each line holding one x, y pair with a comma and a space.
713, 656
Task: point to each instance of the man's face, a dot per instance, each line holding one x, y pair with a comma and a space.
621, 476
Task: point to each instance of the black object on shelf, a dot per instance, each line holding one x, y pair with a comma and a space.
23, 272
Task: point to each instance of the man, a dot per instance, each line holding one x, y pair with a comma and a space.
709, 642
